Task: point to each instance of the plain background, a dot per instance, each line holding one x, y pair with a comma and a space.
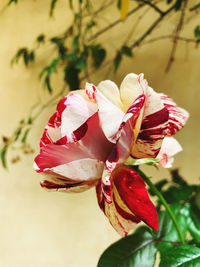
44, 229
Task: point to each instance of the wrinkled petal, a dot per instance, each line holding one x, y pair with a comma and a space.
169, 148
130, 202
177, 116
153, 128
110, 115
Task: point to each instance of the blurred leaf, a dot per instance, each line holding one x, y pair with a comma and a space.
197, 32
47, 84
117, 61
124, 8
136, 250
91, 24
12, 1
183, 255
3, 155
80, 65
30, 120
24, 138
169, 1
17, 133
70, 4
71, 77
178, 193
176, 178
119, 4
71, 56
75, 43
126, 51
178, 4
98, 55
53, 4
159, 185
41, 38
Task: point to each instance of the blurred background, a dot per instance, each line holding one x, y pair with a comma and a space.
45, 229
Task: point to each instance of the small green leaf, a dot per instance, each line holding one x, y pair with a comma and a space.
47, 84
24, 138
126, 50
75, 43
17, 133
70, 4
53, 4
178, 4
81, 65
32, 56
70, 56
30, 120
3, 155
98, 55
182, 256
12, 1
136, 250
41, 38
197, 32
119, 4
117, 61
176, 178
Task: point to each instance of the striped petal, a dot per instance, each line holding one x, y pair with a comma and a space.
110, 115
169, 148
153, 128
177, 116
130, 202
124, 143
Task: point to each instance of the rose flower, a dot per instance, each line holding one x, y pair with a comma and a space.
94, 131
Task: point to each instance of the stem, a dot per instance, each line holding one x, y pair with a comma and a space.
160, 196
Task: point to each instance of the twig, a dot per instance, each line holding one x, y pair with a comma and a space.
147, 2
175, 40
195, 7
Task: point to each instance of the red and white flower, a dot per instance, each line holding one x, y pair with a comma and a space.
92, 133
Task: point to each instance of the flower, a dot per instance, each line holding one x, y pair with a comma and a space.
92, 133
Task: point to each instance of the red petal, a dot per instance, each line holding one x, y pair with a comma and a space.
131, 188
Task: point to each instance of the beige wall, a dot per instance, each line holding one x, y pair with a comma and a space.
53, 229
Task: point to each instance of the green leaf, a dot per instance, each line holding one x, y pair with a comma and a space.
3, 155
178, 4
169, 1
32, 56
47, 84
12, 1
71, 77
165, 224
24, 138
70, 4
126, 51
70, 56
159, 185
81, 65
182, 256
53, 4
147, 161
41, 38
117, 61
136, 250
197, 32
119, 4
178, 193
75, 43
98, 55
176, 178
17, 133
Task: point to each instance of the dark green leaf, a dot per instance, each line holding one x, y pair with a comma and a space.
75, 43
98, 55
119, 4
169, 1
182, 256
30, 121
3, 155
165, 224
126, 51
176, 178
47, 84
71, 77
197, 32
70, 56
159, 185
24, 138
176, 193
53, 4
178, 4
136, 250
41, 38
32, 56
91, 24
117, 61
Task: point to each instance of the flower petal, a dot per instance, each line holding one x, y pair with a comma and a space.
131, 87
177, 116
153, 128
110, 115
169, 148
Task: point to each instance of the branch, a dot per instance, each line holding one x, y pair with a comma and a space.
152, 5
159, 38
175, 40
115, 23
195, 7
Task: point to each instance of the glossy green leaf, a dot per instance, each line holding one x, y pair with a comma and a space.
136, 250
182, 256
